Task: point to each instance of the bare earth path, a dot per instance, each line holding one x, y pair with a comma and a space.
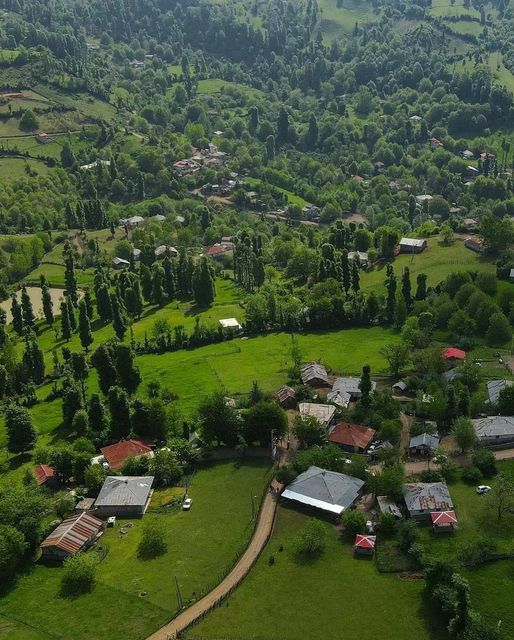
417, 466
259, 539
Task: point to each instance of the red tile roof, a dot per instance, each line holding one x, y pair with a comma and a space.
352, 435
43, 473
365, 542
217, 249
116, 454
73, 533
452, 352
443, 517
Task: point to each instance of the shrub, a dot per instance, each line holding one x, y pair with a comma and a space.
430, 475
408, 534
153, 541
311, 539
386, 524
471, 475
286, 474
79, 574
485, 461
478, 552
64, 505
354, 522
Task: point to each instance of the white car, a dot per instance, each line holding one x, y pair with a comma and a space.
186, 505
483, 488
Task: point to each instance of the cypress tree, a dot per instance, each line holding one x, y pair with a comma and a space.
355, 276
71, 314
158, 284
103, 303
86, 337
391, 293
96, 414
89, 304
70, 280
4, 381
345, 270
71, 402
46, 300
129, 375
102, 360
421, 289
17, 316
69, 215
26, 308
406, 287
146, 282
365, 386
170, 285
33, 358
119, 319
119, 409
65, 321
259, 275
203, 284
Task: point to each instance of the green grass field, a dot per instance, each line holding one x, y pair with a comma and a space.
334, 596
338, 21
293, 198
202, 543
436, 261
13, 168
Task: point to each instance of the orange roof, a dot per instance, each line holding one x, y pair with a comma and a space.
365, 542
73, 533
443, 517
116, 454
43, 473
452, 352
352, 435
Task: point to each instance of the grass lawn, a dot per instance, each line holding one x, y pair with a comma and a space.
292, 197
338, 21
322, 598
436, 261
465, 27
13, 168
202, 543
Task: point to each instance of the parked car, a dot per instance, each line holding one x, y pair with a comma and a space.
483, 488
186, 505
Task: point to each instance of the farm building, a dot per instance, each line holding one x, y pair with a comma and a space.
341, 398
423, 444
45, 475
349, 385
475, 244
328, 491
124, 496
324, 413
231, 324
116, 454
467, 154
76, 533
162, 250
423, 498
362, 256
412, 245
364, 545
494, 430
216, 251
286, 397
494, 388
444, 521
400, 387
453, 355
315, 375
132, 222
44, 138
120, 263
354, 438
387, 505
158, 217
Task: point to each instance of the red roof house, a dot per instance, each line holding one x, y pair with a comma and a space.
444, 520
44, 474
364, 545
351, 437
116, 454
452, 353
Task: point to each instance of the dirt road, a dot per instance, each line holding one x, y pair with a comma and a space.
417, 466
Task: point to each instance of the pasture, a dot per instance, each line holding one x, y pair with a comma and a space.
336, 21
133, 596
13, 168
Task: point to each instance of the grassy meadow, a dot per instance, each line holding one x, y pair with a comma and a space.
337, 21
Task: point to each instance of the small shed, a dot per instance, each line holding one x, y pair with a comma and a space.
120, 263
412, 245
364, 545
315, 375
453, 355
76, 533
231, 325
400, 387
286, 397
45, 475
324, 413
423, 444
387, 505
444, 521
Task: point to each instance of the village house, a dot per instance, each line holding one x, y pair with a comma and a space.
423, 498
423, 445
45, 475
494, 387
116, 454
216, 251
422, 198
349, 385
231, 325
467, 154
286, 397
475, 244
44, 138
133, 222
326, 491
362, 256
412, 245
314, 375
435, 143
119, 263
186, 166
453, 356
324, 413
495, 430
354, 438
161, 251
97, 163
124, 496
137, 64
76, 533
400, 387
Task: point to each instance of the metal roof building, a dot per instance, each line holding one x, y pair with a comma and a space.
494, 429
423, 498
124, 496
74, 534
424, 441
323, 413
350, 385
315, 375
116, 454
327, 491
494, 388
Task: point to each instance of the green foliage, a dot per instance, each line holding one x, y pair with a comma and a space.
354, 522
310, 541
21, 433
153, 540
79, 574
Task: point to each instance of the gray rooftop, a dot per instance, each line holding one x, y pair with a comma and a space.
427, 496
452, 374
322, 412
424, 440
412, 242
340, 398
326, 490
313, 371
494, 387
494, 426
350, 385
124, 491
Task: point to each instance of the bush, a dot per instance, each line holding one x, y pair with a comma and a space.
408, 534
478, 552
79, 574
311, 539
153, 541
354, 522
64, 505
472, 475
286, 474
485, 461
430, 475
386, 524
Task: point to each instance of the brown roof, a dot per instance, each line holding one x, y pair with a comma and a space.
116, 454
43, 473
73, 533
285, 393
352, 435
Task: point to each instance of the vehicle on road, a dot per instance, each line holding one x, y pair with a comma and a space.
483, 488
